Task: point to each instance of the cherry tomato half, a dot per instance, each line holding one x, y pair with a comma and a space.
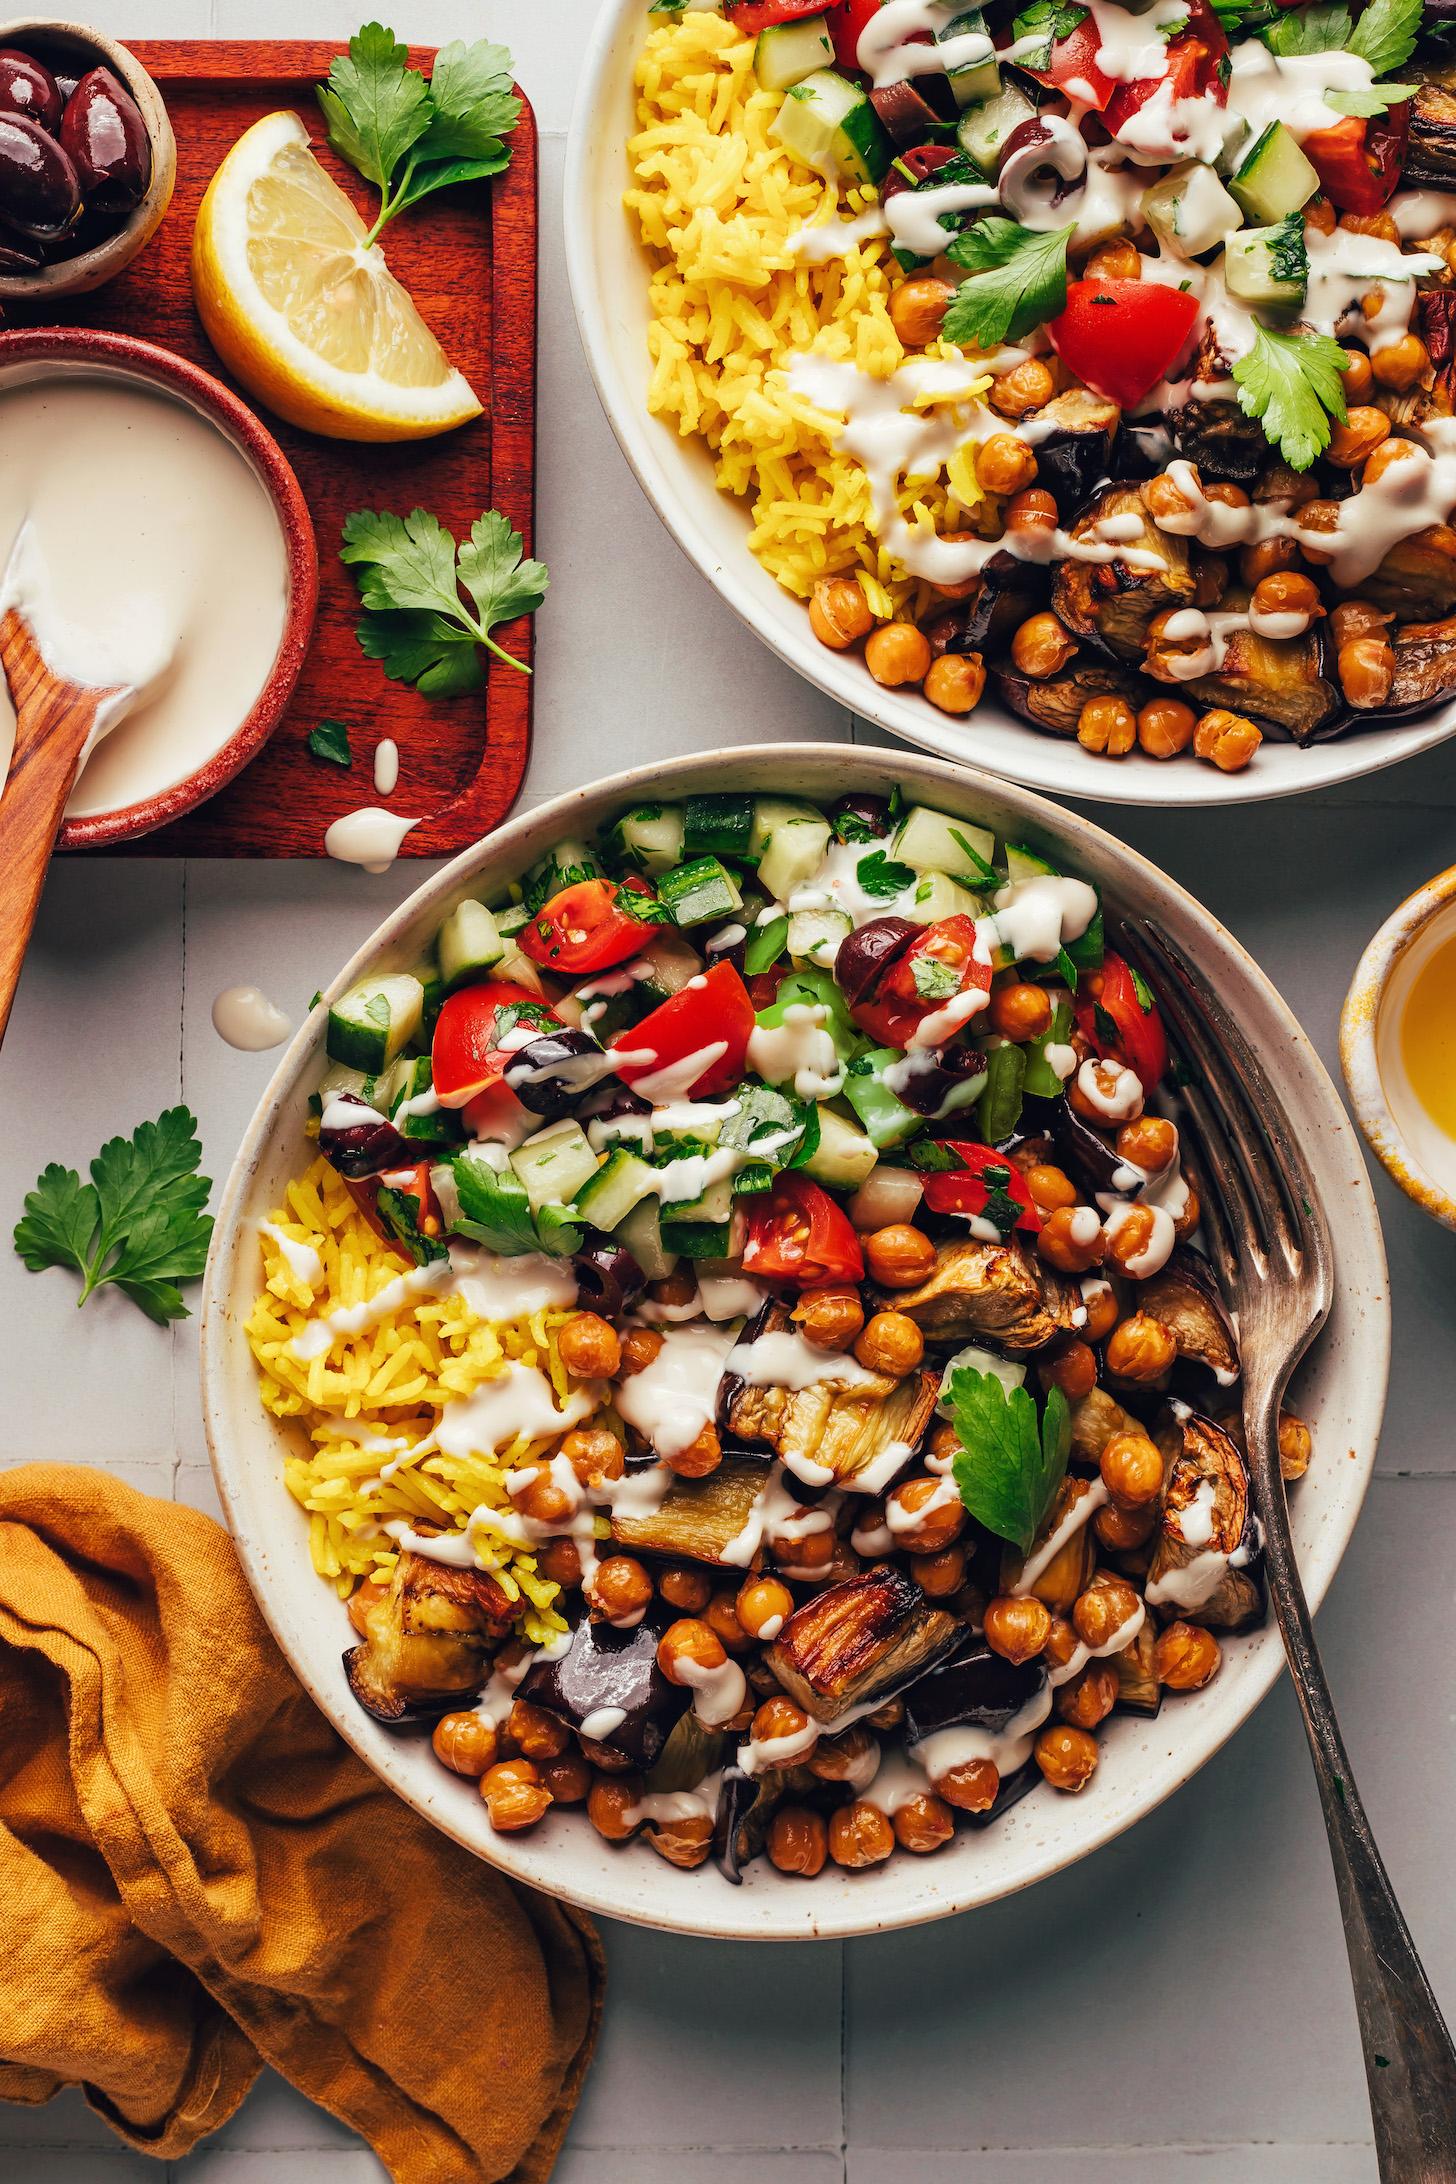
983, 1170
1073, 59
712, 1017
465, 1054
752, 16
846, 22
1110, 1013
1359, 162
1194, 70
919, 983
1119, 337
582, 927
796, 1233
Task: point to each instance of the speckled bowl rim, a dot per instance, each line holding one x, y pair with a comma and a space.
1359, 1037
1144, 1761
78, 348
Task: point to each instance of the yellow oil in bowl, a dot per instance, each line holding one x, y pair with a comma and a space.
1428, 1035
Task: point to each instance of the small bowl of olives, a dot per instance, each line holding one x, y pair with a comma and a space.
87, 159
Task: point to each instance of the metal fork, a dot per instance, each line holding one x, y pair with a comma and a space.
1269, 1240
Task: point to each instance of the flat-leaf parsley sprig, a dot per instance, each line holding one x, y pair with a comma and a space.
1018, 280
138, 1223
1010, 1462
411, 576
410, 137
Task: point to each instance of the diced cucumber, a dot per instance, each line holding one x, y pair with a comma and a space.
845, 1153
649, 838
702, 1239
769, 1126
884, 1114
640, 1232
816, 936
788, 52
432, 987
1268, 265
718, 826
1275, 178
789, 841
411, 1078
1189, 210
469, 945
1023, 863
937, 895
622, 1182
983, 129
668, 962
931, 841
562, 866
700, 893
829, 123
976, 81
339, 1079
554, 1164
375, 1020
510, 919
713, 1203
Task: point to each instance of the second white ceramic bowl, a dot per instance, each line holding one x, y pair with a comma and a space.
1342, 1393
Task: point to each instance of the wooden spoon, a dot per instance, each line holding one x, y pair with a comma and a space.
56, 723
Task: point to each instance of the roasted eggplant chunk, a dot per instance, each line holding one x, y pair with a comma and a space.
1139, 1690
1417, 578
987, 1289
1056, 703
746, 1805
1185, 1298
1008, 592
1213, 432
605, 1673
1282, 680
976, 1690
1425, 668
1205, 1565
845, 1428
1431, 151
1094, 1421
698, 1519
859, 1642
1075, 458
429, 1641
1111, 603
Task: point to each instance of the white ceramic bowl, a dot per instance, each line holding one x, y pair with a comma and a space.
1342, 1393
1413, 1149
608, 271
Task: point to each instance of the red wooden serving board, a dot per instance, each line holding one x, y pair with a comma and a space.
468, 257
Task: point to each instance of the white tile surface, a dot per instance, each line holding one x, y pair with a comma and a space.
1173, 2012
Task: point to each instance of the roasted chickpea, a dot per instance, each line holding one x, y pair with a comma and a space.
1388, 452
1187, 1221
917, 308
839, 1759
1296, 1446
1401, 363
1132, 1468
1264, 556
621, 1590
721, 1617
685, 1588
535, 1733
611, 1806
1165, 727
1100, 1307
780, 1721
640, 1345
684, 1842
1117, 261
590, 1347
568, 1778
1149, 1142
1107, 725
1366, 668
515, 1796
891, 1343
1319, 214
1042, 646
763, 1606
923, 1517
898, 1257
1358, 377
1317, 517
939, 1575
829, 1318
1066, 1756
812, 1552
1050, 1187
1286, 592
1358, 437
1379, 224
679, 1287
541, 1499
1226, 740
1090, 1697
1062, 1642
1121, 1530
1024, 388
703, 1454
1005, 464
689, 1642
465, 1743
1105, 1608
955, 682
1071, 1240
1017, 1626
605, 1757
1073, 1369
922, 1823
1186, 1657
839, 613
1020, 1011
898, 653
1033, 509
1165, 497
559, 1560
859, 1835
798, 1841
1130, 1236
593, 1455
971, 1787
1227, 495
1360, 617
363, 1600
1140, 1349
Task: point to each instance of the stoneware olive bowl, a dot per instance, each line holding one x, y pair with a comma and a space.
609, 273
1342, 1392
1417, 1154
32, 353
79, 47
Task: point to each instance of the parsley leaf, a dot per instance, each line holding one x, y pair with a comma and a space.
852, 826
1018, 280
409, 572
1386, 34
1142, 989
1292, 384
1010, 1464
882, 875
138, 1223
1374, 98
979, 874
400, 1213
1053, 19
377, 106
494, 1208
1066, 969
1321, 29
330, 741
934, 980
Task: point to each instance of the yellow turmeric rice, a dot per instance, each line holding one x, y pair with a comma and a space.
369, 1404
717, 201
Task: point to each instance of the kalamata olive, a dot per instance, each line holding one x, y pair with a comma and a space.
103, 131
929, 1085
733, 950
1090, 1160
28, 87
868, 953
362, 1148
612, 1100
862, 812
607, 1276
39, 191
550, 1075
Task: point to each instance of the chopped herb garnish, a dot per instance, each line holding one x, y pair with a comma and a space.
934, 980
330, 741
882, 875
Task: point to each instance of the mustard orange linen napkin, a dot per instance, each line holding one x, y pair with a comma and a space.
197, 1876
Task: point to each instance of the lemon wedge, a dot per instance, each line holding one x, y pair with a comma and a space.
303, 310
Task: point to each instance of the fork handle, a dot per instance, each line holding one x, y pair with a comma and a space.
1409, 2058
